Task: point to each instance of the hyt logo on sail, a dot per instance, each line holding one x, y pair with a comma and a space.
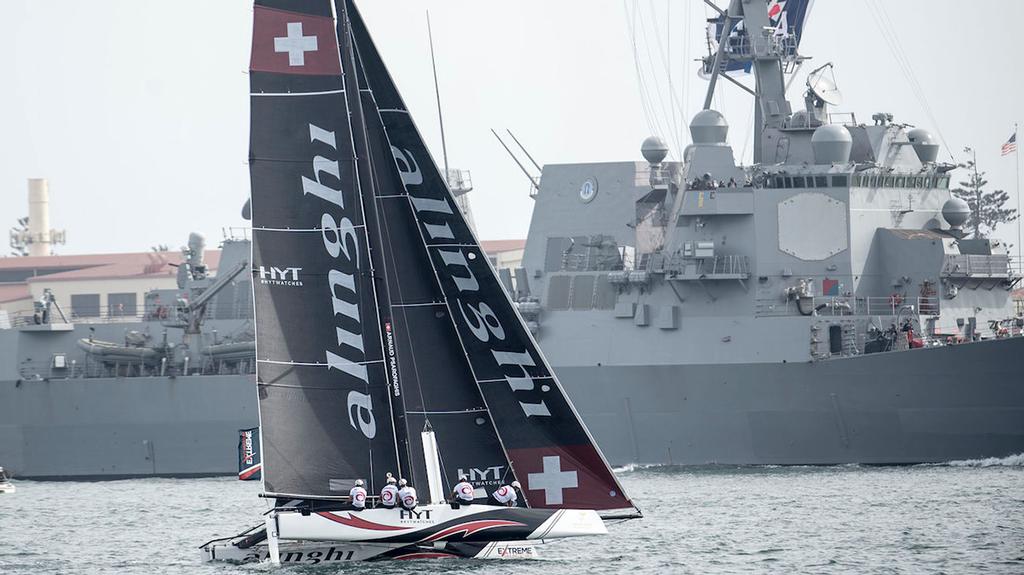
280, 276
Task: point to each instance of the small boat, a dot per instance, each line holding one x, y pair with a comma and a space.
5, 482
378, 316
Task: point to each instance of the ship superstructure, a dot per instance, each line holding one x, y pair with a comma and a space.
822, 305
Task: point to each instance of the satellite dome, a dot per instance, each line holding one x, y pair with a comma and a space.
654, 150
709, 127
924, 144
956, 212
832, 144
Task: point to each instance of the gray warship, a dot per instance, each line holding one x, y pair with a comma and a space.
820, 306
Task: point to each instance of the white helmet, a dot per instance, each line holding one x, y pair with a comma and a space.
391, 479
359, 482
516, 485
403, 482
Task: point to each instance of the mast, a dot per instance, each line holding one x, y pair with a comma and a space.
437, 94
368, 200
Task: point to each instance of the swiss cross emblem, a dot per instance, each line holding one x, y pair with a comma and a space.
552, 480
285, 42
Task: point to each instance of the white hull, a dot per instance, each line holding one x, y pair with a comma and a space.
7, 488
428, 532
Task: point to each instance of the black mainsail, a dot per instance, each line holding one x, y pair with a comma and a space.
323, 393
377, 313
545, 442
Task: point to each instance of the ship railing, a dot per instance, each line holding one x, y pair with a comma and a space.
84, 367
981, 266
237, 234
118, 314
847, 306
843, 118
715, 267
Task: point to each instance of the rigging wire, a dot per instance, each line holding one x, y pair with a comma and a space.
888, 32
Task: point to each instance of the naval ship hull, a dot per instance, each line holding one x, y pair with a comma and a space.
928, 405
113, 428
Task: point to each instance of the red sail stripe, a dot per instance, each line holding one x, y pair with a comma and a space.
359, 523
472, 527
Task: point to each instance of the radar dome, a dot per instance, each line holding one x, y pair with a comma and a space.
956, 212
654, 150
709, 127
924, 144
832, 144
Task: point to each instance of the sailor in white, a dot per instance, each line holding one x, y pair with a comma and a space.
463, 492
358, 495
389, 495
506, 494
407, 495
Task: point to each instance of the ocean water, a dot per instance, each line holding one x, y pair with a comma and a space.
962, 517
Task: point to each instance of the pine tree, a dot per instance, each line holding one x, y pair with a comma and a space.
987, 209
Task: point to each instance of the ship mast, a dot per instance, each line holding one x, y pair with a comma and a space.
768, 48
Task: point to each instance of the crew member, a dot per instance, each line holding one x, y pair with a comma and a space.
506, 494
358, 495
463, 492
406, 495
389, 494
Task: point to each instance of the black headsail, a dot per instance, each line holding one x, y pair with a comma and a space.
546, 443
431, 376
324, 407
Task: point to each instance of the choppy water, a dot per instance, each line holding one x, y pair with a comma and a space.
965, 517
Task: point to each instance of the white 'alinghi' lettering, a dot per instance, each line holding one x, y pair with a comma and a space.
478, 316
341, 243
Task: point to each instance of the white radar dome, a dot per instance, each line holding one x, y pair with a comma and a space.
709, 127
831, 144
924, 144
654, 150
956, 212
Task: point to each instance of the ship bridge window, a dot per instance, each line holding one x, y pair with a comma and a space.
780, 182
901, 182
943, 182
929, 182
889, 181
820, 182
798, 182
840, 181
856, 181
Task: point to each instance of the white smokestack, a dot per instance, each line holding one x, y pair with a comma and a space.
38, 217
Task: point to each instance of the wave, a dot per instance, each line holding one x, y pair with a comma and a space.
1008, 461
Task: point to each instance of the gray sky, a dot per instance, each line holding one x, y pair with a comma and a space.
137, 110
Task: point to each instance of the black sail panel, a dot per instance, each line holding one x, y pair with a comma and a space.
320, 367
429, 372
545, 441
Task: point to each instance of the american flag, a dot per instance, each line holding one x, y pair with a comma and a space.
1011, 145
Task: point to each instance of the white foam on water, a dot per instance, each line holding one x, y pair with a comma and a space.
1008, 461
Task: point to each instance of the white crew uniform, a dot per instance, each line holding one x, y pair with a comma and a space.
506, 495
358, 495
464, 492
389, 496
407, 496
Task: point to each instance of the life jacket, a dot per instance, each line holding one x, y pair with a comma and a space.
407, 496
505, 495
358, 495
389, 495
464, 491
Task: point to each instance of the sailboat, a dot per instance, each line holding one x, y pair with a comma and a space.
384, 339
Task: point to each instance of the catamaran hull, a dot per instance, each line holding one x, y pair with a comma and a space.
315, 553
428, 532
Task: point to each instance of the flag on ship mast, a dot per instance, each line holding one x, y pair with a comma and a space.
1011, 145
